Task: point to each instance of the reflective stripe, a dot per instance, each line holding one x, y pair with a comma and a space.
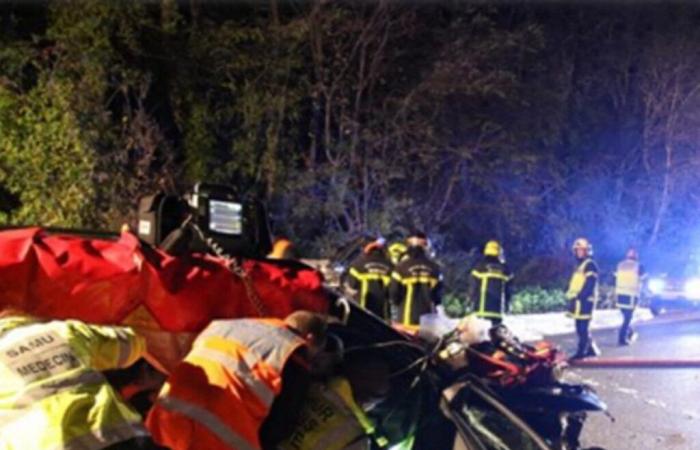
421, 279
242, 370
409, 283
208, 420
272, 342
363, 286
576, 314
498, 276
632, 304
49, 388
408, 305
364, 279
369, 276
100, 439
482, 295
484, 278
124, 353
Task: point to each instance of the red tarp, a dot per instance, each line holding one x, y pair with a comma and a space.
119, 281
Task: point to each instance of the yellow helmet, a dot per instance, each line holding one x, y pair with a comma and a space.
584, 244
493, 248
396, 251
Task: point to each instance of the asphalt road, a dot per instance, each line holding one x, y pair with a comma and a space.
653, 408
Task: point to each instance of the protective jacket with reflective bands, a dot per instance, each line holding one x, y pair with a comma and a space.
51, 393
331, 420
628, 283
489, 288
583, 290
415, 288
219, 396
370, 275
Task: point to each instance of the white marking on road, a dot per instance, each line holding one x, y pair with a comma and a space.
628, 391
657, 403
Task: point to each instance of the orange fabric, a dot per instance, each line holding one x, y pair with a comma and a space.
212, 386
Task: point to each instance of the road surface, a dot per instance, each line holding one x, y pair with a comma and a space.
653, 408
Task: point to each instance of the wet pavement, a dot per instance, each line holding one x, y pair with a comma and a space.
653, 408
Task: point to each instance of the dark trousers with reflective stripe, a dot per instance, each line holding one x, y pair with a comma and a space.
584, 336
626, 330
627, 304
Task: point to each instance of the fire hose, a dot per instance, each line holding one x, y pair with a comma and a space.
636, 363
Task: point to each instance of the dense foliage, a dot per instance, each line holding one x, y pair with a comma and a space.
528, 123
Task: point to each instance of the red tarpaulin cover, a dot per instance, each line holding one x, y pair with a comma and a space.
120, 281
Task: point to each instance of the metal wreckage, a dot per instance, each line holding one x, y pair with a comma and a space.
199, 258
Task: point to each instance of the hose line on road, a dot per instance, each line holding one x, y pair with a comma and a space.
636, 363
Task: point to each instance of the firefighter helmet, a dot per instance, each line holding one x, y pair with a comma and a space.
493, 248
418, 239
396, 251
375, 243
583, 244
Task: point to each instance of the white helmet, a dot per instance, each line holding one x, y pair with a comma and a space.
584, 244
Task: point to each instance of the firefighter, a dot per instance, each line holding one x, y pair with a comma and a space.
628, 286
490, 284
241, 385
416, 283
53, 394
369, 278
582, 295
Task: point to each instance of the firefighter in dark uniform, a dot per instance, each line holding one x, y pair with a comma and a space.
416, 283
369, 276
629, 277
582, 296
490, 285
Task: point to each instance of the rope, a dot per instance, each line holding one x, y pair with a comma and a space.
235, 267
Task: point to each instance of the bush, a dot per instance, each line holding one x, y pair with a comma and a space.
454, 305
535, 299
548, 272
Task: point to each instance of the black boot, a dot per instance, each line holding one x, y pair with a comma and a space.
623, 338
582, 350
593, 349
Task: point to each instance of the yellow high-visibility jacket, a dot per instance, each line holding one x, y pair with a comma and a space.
628, 278
52, 395
581, 300
331, 420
